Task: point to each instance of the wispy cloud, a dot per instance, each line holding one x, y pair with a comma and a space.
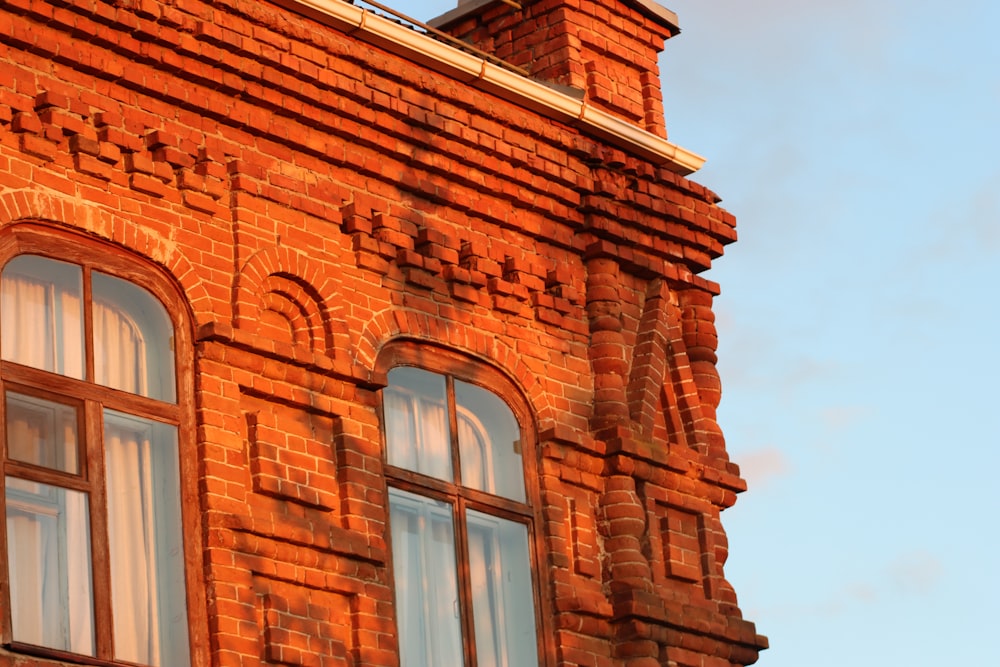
912, 574
840, 417
916, 572
761, 466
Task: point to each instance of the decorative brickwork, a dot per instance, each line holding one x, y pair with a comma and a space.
314, 197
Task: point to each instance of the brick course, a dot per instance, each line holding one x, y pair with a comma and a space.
314, 197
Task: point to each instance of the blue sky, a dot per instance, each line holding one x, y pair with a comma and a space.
857, 143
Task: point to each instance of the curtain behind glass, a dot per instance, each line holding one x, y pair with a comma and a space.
423, 557
41, 315
132, 339
48, 555
489, 442
503, 608
145, 536
42, 432
416, 422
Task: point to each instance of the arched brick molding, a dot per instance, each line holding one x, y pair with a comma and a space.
281, 282
392, 324
29, 205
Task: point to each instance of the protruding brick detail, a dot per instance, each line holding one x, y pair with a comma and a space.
607, 343
631, 579
305, 628
606, 49
291, 457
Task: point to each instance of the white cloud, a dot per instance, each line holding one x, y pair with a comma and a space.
915, 572
840, 417
761, 466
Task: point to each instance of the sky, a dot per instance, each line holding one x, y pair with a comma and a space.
857, 143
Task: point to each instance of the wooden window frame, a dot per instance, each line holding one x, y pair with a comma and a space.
455, 366
92, 399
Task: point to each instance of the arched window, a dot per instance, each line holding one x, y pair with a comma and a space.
461, 517
93, 554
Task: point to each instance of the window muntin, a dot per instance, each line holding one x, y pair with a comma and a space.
104, 541
461, 541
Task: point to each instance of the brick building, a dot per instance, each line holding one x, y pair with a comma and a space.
326, 339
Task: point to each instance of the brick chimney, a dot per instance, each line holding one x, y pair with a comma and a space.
605, 49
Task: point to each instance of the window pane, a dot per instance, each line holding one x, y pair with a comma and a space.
133, 339
417, 434
41, 315
503, 607
146, 541
42, 432
489, 442
48, 553
423, 558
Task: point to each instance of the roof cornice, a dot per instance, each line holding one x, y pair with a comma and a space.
476, 71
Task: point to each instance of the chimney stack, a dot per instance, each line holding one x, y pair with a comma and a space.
606, 49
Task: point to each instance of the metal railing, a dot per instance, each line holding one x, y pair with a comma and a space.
378, 7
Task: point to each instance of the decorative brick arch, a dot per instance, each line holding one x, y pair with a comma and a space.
29, 205
393, 324
283, 281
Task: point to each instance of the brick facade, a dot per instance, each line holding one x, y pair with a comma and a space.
314, 196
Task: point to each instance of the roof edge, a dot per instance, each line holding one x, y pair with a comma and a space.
518, 89
659, 13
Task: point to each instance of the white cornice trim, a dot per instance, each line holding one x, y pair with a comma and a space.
521, 90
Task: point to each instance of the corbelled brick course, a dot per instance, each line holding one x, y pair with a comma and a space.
314, 197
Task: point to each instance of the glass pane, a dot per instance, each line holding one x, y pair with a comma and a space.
503, 606
48, 554
423, 557
417, 434
133, 339
146, 541
41, 314
489, 443
42, 432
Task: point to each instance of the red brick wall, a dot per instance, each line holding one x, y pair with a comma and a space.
315, 197
606, 50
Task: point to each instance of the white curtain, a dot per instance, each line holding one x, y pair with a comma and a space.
416, 430
142, 478
42, 315
119, 350
48, 534
489, 442
48, 552
475, 453
133, 334
42, 432
426, 581
503, 609
145, 539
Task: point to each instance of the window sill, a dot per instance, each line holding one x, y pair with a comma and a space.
16, 654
